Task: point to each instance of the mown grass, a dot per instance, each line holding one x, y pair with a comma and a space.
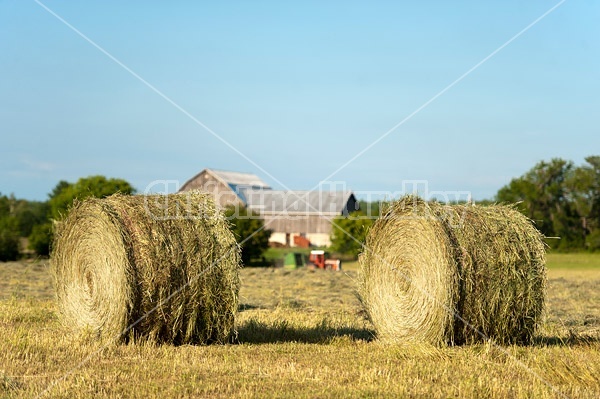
576, 261
301, 334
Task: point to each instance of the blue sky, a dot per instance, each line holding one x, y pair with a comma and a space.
298, 88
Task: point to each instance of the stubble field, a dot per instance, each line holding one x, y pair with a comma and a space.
301, 334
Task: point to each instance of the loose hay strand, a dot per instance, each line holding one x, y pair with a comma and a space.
453, 273
116, 259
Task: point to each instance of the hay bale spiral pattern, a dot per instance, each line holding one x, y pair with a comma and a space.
453, 274
169, 264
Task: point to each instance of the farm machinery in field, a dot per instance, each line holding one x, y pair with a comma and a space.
319, 259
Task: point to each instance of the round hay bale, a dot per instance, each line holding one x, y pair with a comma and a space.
164, 265
453, 274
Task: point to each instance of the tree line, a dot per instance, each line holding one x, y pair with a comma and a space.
563, 199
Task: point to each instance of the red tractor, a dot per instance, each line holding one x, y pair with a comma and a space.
319, 259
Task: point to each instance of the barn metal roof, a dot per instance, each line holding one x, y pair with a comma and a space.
296, 202
238, 178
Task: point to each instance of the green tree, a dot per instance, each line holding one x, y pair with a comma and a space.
30, 214
9, 229
593, 239
583, 187
543, 197
249, 231
9, 238
562, 199
373, 208
5, 206
65, 193
40, 238
60, 186
348, 234
27, 213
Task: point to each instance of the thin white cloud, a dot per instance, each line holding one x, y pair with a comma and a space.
34, 165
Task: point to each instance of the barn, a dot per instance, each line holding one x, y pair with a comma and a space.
295, 217
224, 185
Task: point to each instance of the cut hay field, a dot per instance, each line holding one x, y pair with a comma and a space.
301, 334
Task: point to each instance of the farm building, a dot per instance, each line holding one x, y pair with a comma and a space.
224, 185
295, 217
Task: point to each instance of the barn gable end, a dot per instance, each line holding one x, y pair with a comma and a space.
224, 185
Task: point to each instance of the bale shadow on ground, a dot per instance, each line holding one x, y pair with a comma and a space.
569, 340
256, 332
247, 306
